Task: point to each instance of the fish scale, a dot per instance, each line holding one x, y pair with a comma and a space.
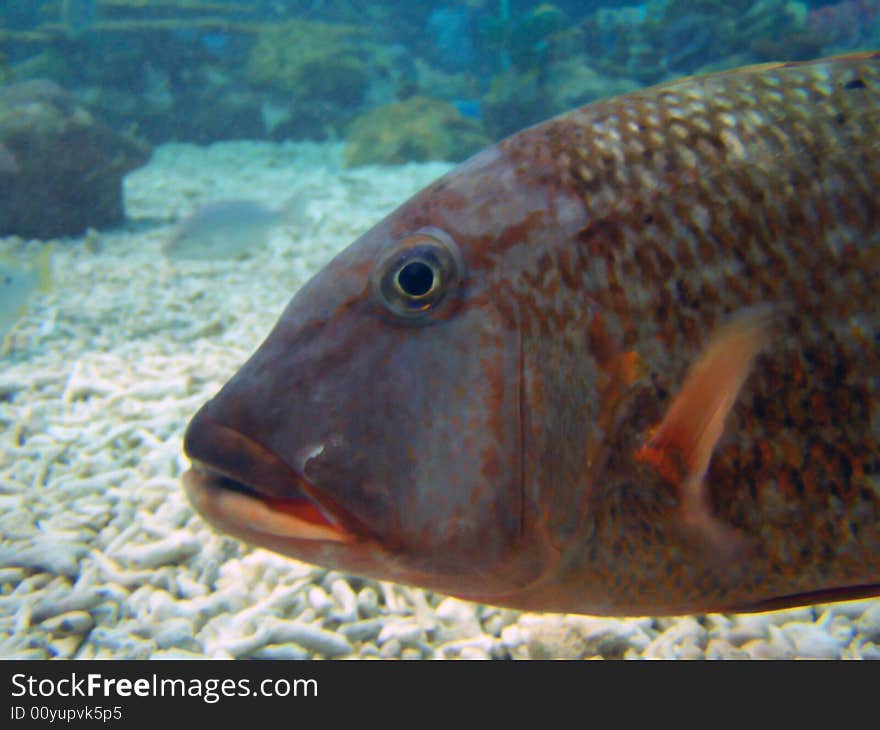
707, 206
641, 376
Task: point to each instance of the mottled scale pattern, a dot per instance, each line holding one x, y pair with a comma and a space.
702, 198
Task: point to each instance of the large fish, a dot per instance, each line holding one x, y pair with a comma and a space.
626, 361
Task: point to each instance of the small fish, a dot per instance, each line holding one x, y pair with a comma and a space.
18, 283
228, 229
8, 162
624, 362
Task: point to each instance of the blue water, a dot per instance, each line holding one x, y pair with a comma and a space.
467, 53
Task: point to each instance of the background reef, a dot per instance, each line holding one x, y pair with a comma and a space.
204, 71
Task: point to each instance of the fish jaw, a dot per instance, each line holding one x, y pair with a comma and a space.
242, 488
302, 522
254, 518
287, 527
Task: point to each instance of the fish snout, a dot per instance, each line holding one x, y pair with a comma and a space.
230, 454
242, 487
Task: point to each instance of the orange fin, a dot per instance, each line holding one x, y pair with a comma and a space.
682, 445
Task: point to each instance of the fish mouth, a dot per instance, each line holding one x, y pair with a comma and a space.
244, 489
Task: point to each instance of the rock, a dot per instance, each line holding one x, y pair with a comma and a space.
281, 651
869, 651
747, 628
868, 624
721, 649
811, 641
66, 647
320, 602
416, 130
311, 59
495, 619
347, 600
390, 649
573, 637
684, 639
108, 643
73, 622
474, 652
308, 636
852, 610
777, 646
482, 645
452, 610
442, 84
369, 651
514, 101
458, 620
216, 114
174, 632
407, 633
322, 70
518, 99
173, 549
362, 630
573, 83
801, 613
368, 601
52, 553
68, 166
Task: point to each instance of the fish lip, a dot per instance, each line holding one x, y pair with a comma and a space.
236, 508
241, 487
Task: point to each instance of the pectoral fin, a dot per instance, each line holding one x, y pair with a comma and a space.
681, 447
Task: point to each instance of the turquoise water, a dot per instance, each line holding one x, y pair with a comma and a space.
201, 72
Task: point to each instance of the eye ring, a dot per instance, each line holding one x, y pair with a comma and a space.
418, 273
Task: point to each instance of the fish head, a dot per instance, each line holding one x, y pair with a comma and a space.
378, 428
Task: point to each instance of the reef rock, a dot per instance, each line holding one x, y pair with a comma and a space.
312, 60
573, 83
416, 130
519, 99
514, 101
64, 167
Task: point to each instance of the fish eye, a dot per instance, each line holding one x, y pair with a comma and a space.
416, 279
418, 273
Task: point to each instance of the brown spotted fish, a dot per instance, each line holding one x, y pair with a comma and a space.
626, 361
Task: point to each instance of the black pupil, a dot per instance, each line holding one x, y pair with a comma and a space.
416, 278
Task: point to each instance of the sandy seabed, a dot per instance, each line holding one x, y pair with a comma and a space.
101, 555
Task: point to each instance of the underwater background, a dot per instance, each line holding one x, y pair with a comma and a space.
171, 172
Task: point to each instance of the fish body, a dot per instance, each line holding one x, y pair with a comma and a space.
18, 283
222, 229
626, 361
